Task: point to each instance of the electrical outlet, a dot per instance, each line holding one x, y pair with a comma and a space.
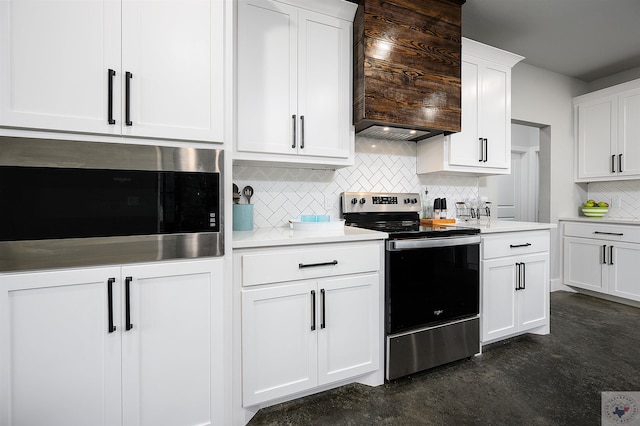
328, 201
616, 202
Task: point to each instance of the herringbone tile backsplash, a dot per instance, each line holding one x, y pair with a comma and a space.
628, 191
281, 194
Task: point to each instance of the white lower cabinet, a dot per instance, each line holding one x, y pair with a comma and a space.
602, 258
132, 345
515, 284
303, 334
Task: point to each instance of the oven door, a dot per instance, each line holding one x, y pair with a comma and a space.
431, 281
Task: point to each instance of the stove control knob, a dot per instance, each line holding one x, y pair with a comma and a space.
407, 200
414, 201
354, 201
362, 201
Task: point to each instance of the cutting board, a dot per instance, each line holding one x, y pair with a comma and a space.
436, 222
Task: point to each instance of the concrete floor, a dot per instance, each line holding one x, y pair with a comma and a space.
594, 346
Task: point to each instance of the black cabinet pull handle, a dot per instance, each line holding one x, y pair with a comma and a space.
311, 265
322, 312
517, 276
610, 255
619, 163
127, 301
619, 234
524, 276
519, 245
110, 328
604, 255
293, 117
110, 118
127, 93
302, 132
486, 150
481, 150
613, 164
313, 310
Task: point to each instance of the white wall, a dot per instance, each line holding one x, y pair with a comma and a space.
544, 98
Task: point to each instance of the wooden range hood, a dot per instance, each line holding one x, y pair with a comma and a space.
407, 66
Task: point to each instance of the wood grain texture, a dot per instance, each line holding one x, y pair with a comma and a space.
407, 56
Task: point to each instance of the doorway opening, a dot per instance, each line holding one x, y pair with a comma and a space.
521, 195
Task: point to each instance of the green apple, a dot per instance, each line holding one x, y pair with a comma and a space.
603, 204
589, 204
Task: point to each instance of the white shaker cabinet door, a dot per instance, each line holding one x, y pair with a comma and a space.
495, 110
624, 259
465, 146
348, 335
584, 264
597, 137
279, 343
55, 58
59, 359
168, 351
629, 133
533, 299
499, 303
173, 51
324, 100
267, 77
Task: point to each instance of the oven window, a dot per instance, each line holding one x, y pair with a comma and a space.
429, 286
47, 202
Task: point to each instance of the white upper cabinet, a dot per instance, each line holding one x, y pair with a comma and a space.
484, 144
134, 68
608, 133
294, 83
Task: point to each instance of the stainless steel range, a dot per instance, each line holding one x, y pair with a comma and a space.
432, 282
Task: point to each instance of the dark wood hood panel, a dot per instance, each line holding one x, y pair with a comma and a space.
407, 57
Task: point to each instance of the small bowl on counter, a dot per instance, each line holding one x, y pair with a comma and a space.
594, 211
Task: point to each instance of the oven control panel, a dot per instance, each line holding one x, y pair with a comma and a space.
371, 202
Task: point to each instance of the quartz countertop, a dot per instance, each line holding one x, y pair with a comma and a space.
496, 226
613, 221
283, 236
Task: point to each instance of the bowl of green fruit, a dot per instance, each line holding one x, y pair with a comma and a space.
594, 208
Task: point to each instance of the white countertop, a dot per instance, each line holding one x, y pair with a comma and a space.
614, 220
283, 236
496, 226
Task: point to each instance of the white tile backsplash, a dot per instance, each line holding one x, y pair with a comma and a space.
281, 194
628, 191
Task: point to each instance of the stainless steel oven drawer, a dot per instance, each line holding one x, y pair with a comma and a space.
420, 350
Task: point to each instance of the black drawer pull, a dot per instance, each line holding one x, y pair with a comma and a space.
613, 164
519, 245
127, 95
127, 302
110, 119
619, 234
110, 328
311, 265
302, 132
295, 131
313, 310
323, 296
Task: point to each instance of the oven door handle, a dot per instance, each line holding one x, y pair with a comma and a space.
420, 243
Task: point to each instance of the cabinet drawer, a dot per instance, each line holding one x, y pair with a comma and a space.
514, 243
605, 231
289, 264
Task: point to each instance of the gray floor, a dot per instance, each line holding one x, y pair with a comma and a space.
594, 346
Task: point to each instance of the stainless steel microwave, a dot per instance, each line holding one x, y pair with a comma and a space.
72, 203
